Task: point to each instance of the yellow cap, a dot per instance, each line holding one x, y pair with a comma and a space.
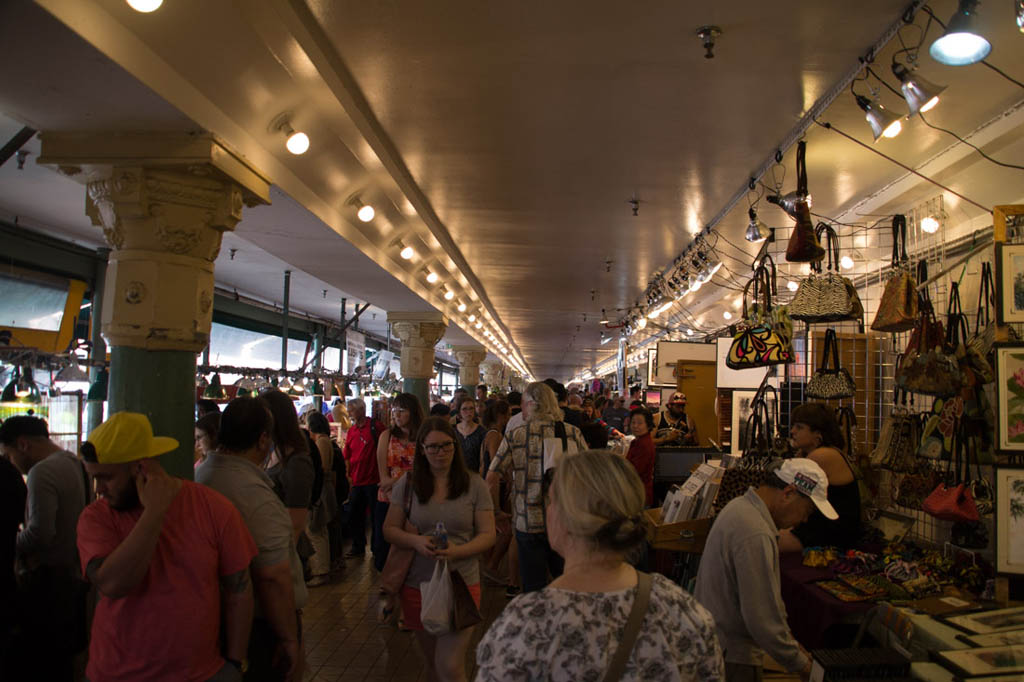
127, 437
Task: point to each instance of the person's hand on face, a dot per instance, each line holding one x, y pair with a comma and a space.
155, 488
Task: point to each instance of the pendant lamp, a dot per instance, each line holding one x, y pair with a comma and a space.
962, 43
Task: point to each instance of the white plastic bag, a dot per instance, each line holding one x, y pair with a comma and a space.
436, 603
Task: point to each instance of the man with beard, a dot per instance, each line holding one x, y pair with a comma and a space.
674, 426
170, 559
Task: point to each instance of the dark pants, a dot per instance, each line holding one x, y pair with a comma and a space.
52, 626
381, 546
362, 500
263, 642
737, 672
536, 559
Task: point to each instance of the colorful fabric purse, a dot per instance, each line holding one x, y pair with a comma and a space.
899, 438
897, 309
830, 382
828, 297
762, 341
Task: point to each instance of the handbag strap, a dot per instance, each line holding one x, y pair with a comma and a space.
985, 289
899, 239
632, 631
801, 168
956, 321
827, 235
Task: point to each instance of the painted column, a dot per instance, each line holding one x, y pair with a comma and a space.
469, 358
419, 333
163, 202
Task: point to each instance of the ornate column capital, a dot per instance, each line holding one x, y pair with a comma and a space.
494, 373
164, 202
419, 333
469, 359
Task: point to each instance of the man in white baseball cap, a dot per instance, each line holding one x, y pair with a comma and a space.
738, 580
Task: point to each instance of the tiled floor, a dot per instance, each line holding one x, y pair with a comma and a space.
345, 643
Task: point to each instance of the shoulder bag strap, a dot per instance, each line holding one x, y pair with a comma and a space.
636, 619
560, 433
835, 349
899, 239
801, 168
984, 314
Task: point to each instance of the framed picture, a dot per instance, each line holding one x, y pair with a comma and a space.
1009, 283
993, 660
1009, 516
741, 409
1009, 398
988, 622
1014, 637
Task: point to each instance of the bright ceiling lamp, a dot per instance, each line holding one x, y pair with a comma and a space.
145, 6
479, 325
961, 44
756, 230
929, 225
472, 317
792, 286
432, 277
663, 304
21, 388
1018, 10
449, 294
366, 213
641, 323
727, 315
921, 95
604, 317
406, 252
883, 122
846, 263
461, 307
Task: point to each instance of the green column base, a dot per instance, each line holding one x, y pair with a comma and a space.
161, 385
419, 388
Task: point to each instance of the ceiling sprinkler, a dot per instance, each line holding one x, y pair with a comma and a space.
635, 203
707, 35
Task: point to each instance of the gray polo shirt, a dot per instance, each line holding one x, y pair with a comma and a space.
57, 494
252, 493
738, 582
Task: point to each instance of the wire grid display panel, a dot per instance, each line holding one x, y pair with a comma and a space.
871, 357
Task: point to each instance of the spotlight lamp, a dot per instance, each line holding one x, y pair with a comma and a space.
432, 277
883, 122
962, 44
846, 263
406, 252
449, 294
145, 6
472, 317
364, 211
757, 231
930, 225
604, 317
1018, 10
296, 142
461, 307
921, 95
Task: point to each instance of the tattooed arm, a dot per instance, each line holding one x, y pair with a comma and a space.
237, 605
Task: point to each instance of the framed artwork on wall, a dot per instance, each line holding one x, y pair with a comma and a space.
1009, 518
1009, 368
984, 661
987, 622
1010, 283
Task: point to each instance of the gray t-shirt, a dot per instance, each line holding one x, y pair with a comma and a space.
57, 494
252, 493
459, 517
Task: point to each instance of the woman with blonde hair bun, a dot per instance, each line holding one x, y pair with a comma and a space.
602, 616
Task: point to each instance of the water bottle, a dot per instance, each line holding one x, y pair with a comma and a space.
440, 536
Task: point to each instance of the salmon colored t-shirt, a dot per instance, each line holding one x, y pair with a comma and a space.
168, 628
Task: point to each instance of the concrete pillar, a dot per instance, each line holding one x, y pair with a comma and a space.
469, 358
494, 373
163, 202
419, 333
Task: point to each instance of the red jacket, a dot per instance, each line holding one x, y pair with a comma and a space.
641, 455
360, 452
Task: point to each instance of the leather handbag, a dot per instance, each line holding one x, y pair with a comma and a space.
803, 246
762, 340
953, 501
757, 452
898, 452
914, 488
830, 382
399, 561
827, 297
979, 345
897, 309
930, 368
939, 431
465, 613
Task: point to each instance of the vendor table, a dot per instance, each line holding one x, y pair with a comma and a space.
810, 609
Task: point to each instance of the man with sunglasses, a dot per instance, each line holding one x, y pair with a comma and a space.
674, 427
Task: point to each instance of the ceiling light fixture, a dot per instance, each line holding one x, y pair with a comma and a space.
604, 315
961, 44
663, 304
462, 307
297, 142
641, 323
883, 122
929, 225
406, 252
448, 293
846, 263
792, 286
756, 230
145, 6
921, 95
432, 277
472, 317
1018, 7
479, 325
727, 315
364, 211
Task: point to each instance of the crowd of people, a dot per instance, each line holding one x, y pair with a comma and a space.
517, 489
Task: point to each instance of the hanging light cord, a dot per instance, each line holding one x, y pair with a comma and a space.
944, 130
1002, 73
829, 126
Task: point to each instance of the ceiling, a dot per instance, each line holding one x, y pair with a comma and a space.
503, 141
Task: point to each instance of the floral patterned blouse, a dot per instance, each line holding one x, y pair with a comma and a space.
559, 634
400, 454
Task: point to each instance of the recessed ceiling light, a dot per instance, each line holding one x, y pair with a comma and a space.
727, 315
145, 6
366, 213
930, 225
472, 317
462, 307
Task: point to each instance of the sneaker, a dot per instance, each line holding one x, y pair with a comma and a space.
511, 592
318, 581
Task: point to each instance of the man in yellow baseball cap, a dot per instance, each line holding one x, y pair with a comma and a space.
171, 559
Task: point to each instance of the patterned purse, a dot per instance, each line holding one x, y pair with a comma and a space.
830, 382
762, 341
827, 297
897, 310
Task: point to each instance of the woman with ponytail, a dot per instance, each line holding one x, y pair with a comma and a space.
593, 514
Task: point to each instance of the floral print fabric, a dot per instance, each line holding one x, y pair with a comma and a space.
558, 634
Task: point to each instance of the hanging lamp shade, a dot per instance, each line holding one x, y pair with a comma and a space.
71, 372
921, 94
98, 389
883, 122
756, 230
246, 388
962, 43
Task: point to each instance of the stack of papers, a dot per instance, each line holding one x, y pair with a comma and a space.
694, 498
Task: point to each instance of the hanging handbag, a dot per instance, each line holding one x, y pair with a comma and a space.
914, 488
400, 559
939, 432
830, 382
934, 371
762, 341
897, 309
979, 345
757, 452
827, 297
954, 501
902, 433
803, 244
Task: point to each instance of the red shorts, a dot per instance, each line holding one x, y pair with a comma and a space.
412, 601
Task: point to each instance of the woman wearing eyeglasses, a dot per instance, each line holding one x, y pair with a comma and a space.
443, 490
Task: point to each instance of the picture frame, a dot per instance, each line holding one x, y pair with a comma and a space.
1011, 638
987, 622
1009, 283
1009, 519
1009, 407
741, 403
995, 660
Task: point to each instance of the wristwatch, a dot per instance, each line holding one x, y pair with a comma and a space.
242, 665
